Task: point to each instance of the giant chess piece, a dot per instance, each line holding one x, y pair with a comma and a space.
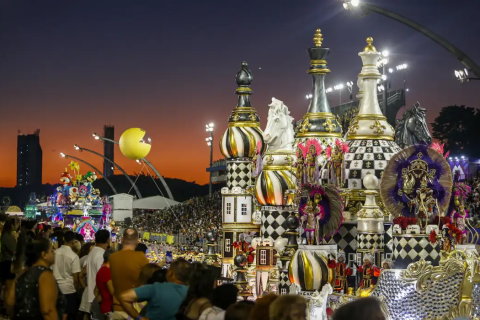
241, 283
370, 136
370, 220
211, 255
412, 128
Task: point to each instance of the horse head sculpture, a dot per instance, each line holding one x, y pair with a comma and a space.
279, 134
412, 128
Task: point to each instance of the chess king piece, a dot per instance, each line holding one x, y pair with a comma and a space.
370, 137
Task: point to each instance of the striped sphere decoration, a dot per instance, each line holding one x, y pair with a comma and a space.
241, 142
309, 269
271, 186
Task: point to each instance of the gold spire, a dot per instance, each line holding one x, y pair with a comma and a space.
317, 38
369, 48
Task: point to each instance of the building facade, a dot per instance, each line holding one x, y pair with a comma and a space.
29, 159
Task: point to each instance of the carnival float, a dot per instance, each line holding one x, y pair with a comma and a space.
335, 214
78, 205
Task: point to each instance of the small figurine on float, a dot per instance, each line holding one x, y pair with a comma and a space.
313, 171
341, 273
336, 155
310, 213
387, 264
87, 229
257, 164
368, 271
457, 212
299, 165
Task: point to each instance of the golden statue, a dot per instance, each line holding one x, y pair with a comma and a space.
310, 161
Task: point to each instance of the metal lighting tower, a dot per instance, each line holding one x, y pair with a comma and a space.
209, 128
361, 9
339, 88
462, 76
170, 196
139, 195
66, 156
382, 63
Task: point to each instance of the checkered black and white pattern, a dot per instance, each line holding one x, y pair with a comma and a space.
284, 283
408, 249
345, 238
239, 174
369, 241
404, 302
367, 156
273, 223
388, 239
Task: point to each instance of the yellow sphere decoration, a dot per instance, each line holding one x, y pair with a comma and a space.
134, 144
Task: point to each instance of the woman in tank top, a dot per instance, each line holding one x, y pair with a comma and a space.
36, 294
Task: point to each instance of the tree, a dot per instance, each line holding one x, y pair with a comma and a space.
459, 128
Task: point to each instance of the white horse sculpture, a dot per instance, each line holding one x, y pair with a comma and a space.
279, 134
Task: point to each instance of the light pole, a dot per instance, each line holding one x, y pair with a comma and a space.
462, 76
170, 196
350, 88
66, 156
403, 67
382, 62
209, 128
361, 9
339, 88
139, 195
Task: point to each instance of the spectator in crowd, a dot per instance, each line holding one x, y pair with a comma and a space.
66, 271
200, 292
164, 299
361, 309
159, 276
262, 306
142, 247
36, 294
290, 307
191, 220
104, 287
93, 264
125, 266
239, 311
8, 249
223, 297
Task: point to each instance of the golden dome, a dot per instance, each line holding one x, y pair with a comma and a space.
369, 47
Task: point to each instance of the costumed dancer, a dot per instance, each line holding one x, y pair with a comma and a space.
368, 271
313, 171
336, 155
341, 272
311, 212
257, 164
299, 165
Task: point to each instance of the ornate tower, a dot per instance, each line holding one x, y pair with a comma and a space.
239, 145
370, 140
319, 121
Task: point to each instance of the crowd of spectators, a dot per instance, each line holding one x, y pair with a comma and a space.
192, 218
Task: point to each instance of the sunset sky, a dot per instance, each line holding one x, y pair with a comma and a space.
70, 67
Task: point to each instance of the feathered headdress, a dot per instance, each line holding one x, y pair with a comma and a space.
439, 148
316, 144
343, 146
259, 147
303, 148
328, 152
